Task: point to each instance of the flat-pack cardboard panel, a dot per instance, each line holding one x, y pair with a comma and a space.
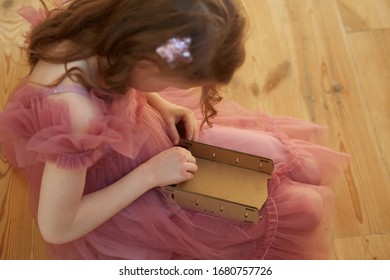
228, 183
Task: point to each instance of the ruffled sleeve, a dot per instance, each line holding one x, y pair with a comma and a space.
36, 129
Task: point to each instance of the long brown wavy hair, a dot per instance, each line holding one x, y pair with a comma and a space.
125, 31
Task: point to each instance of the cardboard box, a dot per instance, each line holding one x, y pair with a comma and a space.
228, 183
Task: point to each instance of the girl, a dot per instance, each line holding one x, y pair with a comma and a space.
98, 141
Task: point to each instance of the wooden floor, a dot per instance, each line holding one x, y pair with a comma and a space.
326, 61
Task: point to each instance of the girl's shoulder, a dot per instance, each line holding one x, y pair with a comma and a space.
82, 108
46, 73
55, 124
81, 104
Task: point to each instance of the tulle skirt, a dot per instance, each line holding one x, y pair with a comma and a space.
296, 214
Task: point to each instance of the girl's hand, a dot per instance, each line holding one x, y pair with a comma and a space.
172, 114
171, 166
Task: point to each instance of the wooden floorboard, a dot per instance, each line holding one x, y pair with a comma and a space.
365, 15
322, 61
330, 80
370, 247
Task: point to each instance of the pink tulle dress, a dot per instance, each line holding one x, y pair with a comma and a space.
35, 129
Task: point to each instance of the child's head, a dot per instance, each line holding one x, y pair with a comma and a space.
126, 34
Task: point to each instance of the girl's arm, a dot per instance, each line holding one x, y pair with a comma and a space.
172, 115
64, 214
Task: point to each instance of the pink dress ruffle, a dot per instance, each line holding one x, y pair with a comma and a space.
35, 129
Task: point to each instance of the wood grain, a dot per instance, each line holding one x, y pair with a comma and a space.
371, 53
19, 237
323, 61
331, 81
371, 247
365, 15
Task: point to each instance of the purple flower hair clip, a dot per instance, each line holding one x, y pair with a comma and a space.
174, 50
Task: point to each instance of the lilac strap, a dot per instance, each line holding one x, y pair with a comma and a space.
65, 88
